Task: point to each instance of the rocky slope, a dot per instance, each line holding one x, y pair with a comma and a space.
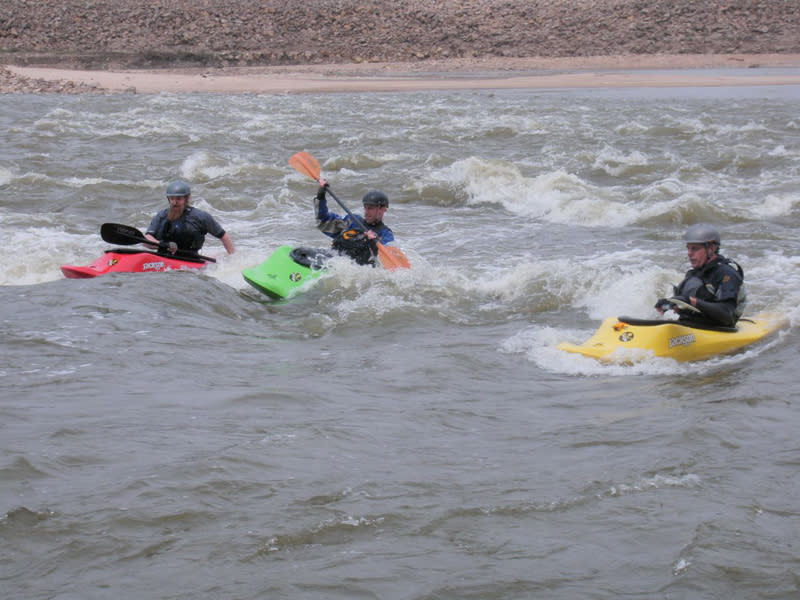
131, 33
178, 33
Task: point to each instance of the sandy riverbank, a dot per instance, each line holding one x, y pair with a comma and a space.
493, 73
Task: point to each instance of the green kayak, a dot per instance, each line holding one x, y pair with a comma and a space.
286, 270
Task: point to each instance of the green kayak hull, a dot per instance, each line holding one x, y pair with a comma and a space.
286, 270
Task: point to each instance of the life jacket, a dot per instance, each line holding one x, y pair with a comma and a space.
187, 231
355, 244
698, 284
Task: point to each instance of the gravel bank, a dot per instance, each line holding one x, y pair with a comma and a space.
106, 34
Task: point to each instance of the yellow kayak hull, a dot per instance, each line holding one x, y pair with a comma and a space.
624, 338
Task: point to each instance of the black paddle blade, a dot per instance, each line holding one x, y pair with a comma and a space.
124, 235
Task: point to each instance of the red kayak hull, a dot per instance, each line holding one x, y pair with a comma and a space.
129, 261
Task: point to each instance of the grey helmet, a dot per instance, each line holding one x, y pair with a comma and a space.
375, 198
178, 188
701, 233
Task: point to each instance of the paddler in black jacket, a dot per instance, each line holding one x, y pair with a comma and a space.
712, 293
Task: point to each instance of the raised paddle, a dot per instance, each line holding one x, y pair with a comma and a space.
391, 257
125, 235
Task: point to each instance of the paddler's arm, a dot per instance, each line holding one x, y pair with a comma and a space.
156, 224
723, 312
170, 247
328, 223
228, 243
384, 236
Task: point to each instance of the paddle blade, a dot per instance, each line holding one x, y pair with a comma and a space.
392, 258
304, 163
124, 235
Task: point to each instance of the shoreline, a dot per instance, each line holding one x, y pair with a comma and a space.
450, 74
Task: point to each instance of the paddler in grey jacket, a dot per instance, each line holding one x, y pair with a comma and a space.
184, 227
713, 291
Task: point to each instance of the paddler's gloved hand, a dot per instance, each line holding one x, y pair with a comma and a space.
674, 303
172, 247
322, 190
683, 303
663, 305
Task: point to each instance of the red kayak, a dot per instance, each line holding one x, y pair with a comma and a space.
123, 260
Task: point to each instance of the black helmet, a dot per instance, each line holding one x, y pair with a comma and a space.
375, 198
178, 188
701, 234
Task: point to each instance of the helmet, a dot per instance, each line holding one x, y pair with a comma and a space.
700, 234
178, 188
375, 198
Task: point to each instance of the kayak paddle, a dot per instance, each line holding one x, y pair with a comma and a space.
391, 257
125, 235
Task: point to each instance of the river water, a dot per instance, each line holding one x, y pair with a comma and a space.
405, 435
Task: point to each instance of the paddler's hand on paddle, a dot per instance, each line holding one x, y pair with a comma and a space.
684, 303
172, 247
676, 303
323, 188
663, 305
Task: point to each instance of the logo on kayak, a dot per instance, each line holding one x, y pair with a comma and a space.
154, 266
682, 340
295, 277
626, 337
112, 262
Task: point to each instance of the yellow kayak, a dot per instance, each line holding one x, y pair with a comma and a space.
625, 338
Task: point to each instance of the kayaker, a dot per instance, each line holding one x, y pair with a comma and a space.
714, 285
348, 237
182, 226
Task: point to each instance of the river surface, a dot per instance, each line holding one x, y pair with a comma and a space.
397, 435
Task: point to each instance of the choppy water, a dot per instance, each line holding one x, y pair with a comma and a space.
406, 435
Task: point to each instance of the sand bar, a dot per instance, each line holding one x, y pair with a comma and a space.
591, 72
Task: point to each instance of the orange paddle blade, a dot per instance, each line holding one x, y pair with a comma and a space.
392, 258
306, 164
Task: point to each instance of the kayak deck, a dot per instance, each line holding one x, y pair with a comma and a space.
625, 338
124, 260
